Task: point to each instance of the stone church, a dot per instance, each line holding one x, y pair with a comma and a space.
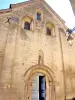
36, 61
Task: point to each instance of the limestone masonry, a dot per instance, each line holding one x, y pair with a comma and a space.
33, 43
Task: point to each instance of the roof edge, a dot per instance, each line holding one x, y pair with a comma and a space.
11, 6
27, 3
19, 4
54, 12
5, 10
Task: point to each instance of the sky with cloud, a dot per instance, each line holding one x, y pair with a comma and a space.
62, 7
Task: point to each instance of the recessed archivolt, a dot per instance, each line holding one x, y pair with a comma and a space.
50, 24
51, 28
27, 18
39, 69
39, 10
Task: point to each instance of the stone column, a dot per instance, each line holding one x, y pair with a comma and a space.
50, 90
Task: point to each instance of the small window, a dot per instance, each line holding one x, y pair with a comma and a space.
27, 22
27, 26
49, 28
48, 31
38, 16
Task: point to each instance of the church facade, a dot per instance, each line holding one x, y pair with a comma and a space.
36, 61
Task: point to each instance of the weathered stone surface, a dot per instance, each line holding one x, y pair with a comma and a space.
19, 52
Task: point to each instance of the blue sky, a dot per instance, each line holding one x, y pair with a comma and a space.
62, 7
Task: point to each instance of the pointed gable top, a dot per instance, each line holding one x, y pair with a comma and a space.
27, 3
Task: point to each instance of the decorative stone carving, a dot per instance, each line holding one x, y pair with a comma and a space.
12, 20
41, 57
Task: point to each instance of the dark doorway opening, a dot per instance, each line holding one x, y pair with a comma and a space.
27, 26
48, 31
42, 88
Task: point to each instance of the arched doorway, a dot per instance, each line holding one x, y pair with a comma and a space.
34, 76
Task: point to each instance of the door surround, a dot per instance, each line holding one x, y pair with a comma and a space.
50, 79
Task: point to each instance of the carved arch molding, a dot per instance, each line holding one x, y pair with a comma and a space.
50, 79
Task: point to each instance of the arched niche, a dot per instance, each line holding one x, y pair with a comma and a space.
50, 28
39, 14
27, 20
50, 78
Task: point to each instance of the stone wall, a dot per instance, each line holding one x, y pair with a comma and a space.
19, 49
